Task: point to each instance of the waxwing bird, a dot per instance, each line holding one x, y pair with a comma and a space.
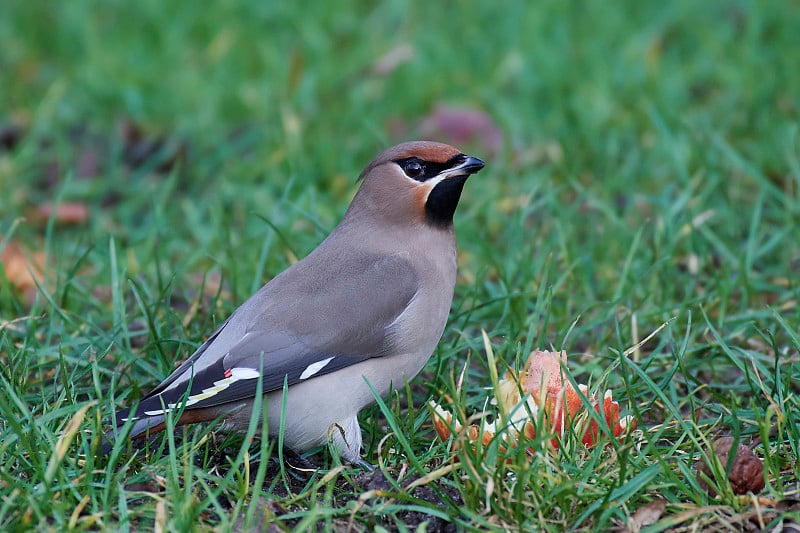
365, 308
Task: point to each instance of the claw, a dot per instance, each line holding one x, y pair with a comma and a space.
361, 463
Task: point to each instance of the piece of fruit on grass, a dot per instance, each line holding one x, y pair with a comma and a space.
540, 395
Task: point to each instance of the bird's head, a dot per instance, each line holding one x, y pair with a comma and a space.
417, 182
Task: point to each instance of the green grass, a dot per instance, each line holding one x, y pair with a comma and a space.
649, 173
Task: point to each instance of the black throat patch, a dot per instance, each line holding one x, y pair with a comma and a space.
443, 200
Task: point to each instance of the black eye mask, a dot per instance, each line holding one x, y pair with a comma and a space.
429, 169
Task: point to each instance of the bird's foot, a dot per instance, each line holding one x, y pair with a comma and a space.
361, 463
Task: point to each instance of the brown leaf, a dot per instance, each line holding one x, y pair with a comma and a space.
62, 213
459, 126
746, 474
647, 515
20, 272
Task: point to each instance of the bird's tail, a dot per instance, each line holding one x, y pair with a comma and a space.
142, 427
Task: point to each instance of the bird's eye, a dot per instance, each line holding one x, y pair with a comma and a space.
413, 169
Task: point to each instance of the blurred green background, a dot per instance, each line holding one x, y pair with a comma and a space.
641, 106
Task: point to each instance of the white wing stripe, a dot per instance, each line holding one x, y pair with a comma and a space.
237, 374
313, 368
243, 373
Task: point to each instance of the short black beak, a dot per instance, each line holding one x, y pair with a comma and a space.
471, 165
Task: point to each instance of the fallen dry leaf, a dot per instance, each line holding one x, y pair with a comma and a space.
459, 126
647, 515
539, 398
746, 474
19, 271
62, 213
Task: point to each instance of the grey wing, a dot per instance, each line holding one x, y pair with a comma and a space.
342, 327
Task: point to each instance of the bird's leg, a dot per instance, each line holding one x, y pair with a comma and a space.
346, 439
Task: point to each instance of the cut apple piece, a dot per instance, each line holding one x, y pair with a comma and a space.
540, 395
